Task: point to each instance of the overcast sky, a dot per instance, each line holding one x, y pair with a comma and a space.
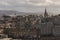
31, 5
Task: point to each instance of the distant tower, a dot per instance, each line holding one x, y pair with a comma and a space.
45, 14
15, 13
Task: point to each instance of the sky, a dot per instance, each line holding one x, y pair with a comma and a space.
52, 6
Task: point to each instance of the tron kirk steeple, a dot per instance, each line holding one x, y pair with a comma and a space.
45, 14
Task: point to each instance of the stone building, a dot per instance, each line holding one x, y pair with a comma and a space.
56, 29
46, 28
2, 26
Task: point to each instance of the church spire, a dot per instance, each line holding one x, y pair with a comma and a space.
45, 14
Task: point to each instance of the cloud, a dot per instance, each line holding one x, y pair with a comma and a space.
4, 3
29, 2
56, 2
43, 2
28, 5
40, 2
25, 2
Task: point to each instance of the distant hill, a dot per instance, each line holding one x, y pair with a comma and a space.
8, 12
11, 12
